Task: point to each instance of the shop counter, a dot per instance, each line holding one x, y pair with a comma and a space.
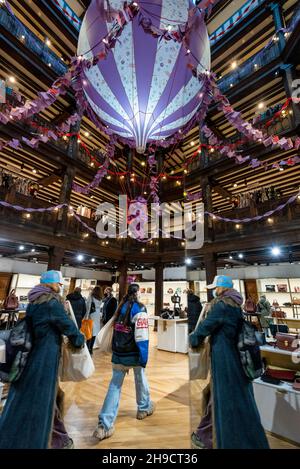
279, 405
279, 408
172, 334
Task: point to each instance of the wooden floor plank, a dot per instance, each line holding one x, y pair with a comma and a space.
175, 398
168, 427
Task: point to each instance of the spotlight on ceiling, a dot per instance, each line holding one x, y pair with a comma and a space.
241, 256
21, 248
188, 261
276, 251
80, 257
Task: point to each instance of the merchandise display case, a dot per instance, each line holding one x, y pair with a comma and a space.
175, 286
86, 286
200, 288
279, 404
284, 291
23, 283
147, 296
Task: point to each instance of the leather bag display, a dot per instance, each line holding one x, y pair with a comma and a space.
250, 306
284, 375
278, 314
289, 342
11, 302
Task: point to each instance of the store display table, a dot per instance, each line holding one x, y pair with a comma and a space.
291, 323
172, 334
281, 358
279, 408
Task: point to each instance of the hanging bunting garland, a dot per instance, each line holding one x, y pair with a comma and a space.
47, 135
258, 217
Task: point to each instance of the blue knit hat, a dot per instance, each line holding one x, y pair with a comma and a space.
52, 276
221, 281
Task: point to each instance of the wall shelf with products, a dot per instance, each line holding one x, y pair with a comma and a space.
86, 285
147, 296
284, 291
23, 283
176, 286
200, 288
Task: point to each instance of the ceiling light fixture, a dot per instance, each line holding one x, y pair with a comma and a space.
276, 251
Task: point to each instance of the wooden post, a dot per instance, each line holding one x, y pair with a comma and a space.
210, 261
159, 287
207, 200
123, 267
159, 291
55, 260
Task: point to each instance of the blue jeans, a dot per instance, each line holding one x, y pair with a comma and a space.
109, 411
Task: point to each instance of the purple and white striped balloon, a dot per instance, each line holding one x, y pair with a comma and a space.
144, 90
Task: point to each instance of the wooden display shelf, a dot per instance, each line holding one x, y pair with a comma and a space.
281, 358
290, 322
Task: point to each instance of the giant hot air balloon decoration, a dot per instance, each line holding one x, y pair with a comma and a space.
144, 90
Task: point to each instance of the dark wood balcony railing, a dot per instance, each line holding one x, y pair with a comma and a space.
289, 216
32, 42
280, 126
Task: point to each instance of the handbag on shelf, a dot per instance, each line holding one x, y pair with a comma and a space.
296, 301
278, 314
270, 288
297, 289
199, 358
290, 342
103, 340
296, 385
268, 379
170, 291
250, 306
167, 314
284, 375
11, 302
274, 328
282, 288
275, 304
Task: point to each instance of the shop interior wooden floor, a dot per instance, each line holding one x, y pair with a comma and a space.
169, 427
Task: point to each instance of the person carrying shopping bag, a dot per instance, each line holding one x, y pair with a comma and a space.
32, 417
231, 406
93, 309
129, 350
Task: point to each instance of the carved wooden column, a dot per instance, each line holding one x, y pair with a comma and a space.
210, 261
208, 206
123, 267
55, 260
